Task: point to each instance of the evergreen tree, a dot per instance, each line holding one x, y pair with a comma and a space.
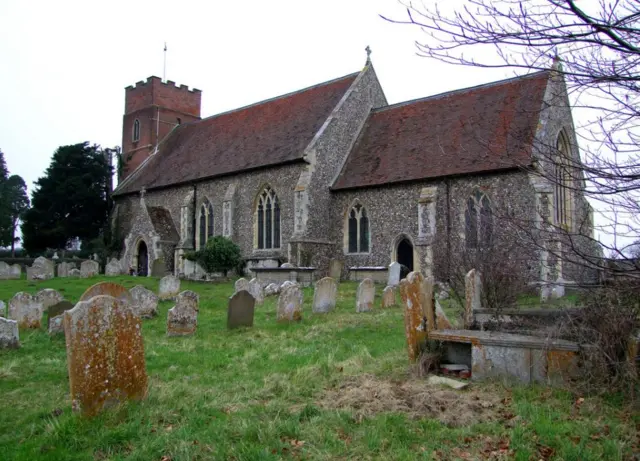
18, 201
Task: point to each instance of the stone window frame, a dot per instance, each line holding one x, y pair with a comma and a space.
135, 135
358, 212
481, 201
206, 211
267, 220
563, 197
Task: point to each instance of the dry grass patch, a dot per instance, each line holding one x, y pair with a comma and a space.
368, 395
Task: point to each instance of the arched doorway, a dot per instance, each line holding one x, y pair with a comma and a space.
143, 259
405, 253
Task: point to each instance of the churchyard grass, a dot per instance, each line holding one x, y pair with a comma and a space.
334, 386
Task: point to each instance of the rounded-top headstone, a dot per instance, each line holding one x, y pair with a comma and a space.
49, 297
109, 289
290, 304
324, 295
241, 284
241, 310
145, 302
26, 309
169, 287
366, 295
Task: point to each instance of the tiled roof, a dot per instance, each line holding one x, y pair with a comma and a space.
475, 130
268, 133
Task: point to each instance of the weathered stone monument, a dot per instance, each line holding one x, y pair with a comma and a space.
15, 271
182, 319
365, 296
272, 289
113, 268
75, 272
105, 354
472, 296
290, 304
5, 271
335, 269
324, 295
558, 288
241, 310
394, 274
26, 310
388, 297
89, 269
145, 302
42, 269
9, 335
256, 291
3, 310
241, 284
110, 289
415, 323
158, 268
64, 268
48, 297
55, 317
169, 287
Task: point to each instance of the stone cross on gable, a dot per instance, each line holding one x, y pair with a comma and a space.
368, 50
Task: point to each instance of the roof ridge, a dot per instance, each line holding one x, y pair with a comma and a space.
459, 90
275, 98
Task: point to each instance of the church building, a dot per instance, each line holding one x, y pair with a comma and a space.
334, 172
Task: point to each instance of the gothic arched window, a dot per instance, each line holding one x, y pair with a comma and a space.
358, 230
136, 130
478, 221
268, 220
562, 183
206, 224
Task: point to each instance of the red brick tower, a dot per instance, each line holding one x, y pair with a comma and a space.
151, 110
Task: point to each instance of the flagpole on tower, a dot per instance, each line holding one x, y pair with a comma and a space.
164, 68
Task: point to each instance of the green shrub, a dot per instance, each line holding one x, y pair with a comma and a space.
220, 254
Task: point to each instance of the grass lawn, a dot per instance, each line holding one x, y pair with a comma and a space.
334, 386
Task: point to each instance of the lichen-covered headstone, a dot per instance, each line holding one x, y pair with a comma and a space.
145, 302
413, 298
42, 269
49, 297
9, 335
241, 284
388, 297
105, 354
15, 271
26, 309
109, 289
241, 310
64, 268
5, 270
113, 268
89, 269
55, 317
272, 289
169, 287
365, 296
75, 272
394, 274
472, 296
286, 284
324, 295
255, 288
182, 319
290, 304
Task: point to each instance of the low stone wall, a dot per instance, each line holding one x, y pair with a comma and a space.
304, 276
377, 274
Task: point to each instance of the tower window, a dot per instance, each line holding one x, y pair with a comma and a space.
136, 130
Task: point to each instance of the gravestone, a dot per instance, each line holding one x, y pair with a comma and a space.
145, 302
5, 271
288, 266
388, 297
42, 269
159, 268
113, 268
271, 289
55, 317
558, 288
55, 255
89, 269
414, 300
169, 287
3, 310
290, 304
48, 297
365, 296
15, 271
286, 284
9, 335
105, 354
74, 272
394, 274
26, 310
472, 296
256, 291
335, 269
109, 289
324, 295
64, 268
241, 284
241, 309
182, 319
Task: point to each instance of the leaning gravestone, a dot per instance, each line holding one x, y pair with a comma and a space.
324, 295
5, 271
272, 289
9, 335
64, 268
113, 268
89, 269
241, 284
48, 297
335, 269
55, 317
26, 310
42, 269
241, 310
389, 297
414, 300
256, 291
145, 302
290, 304
108, 289
394, 274
169, 287
182, 319
366, 295
15, 271
105, 354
